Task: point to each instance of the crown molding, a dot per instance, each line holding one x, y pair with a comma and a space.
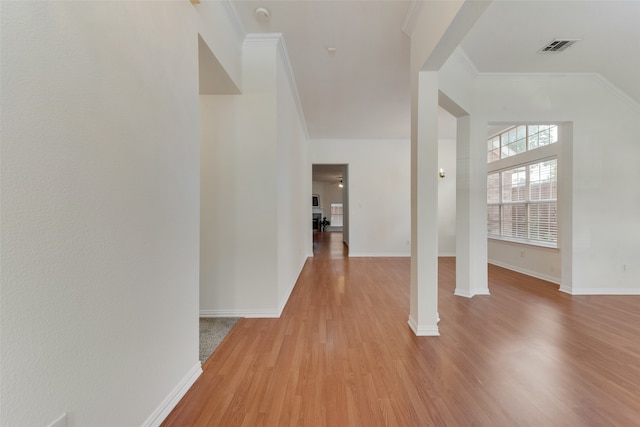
595, 77
410, 19
235, 17
277, 40
466, 60
294, 87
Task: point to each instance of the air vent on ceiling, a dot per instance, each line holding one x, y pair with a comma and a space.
558, 45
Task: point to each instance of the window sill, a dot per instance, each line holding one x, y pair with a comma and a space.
535, 243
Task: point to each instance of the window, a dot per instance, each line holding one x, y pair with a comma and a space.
522, 197
336, 215
519, 139
522, 203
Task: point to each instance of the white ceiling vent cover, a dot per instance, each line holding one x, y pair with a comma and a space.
558, 45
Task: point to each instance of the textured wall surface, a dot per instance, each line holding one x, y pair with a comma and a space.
99, 209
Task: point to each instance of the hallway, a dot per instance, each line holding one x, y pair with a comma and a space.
342, 354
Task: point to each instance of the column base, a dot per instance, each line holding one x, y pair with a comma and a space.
423, 330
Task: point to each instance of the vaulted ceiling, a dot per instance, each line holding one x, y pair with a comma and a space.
361, 90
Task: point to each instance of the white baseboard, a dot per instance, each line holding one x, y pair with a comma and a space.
292, 285
618, 291
252, 314
535, 274
423, 330
566, 290
170, 402
379, 254
466, 294
258, 314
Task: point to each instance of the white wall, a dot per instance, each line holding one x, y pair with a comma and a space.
293, 182
447, 198
598, 226
99, 208
379, 192
255, 190
600, 238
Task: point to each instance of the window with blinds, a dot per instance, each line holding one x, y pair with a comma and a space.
522, 203
337, 215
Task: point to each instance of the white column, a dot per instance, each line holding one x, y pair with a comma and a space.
423, 316
471, 208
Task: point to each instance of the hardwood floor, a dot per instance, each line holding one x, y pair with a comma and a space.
342, 354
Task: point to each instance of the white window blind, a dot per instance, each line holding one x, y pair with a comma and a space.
522, 203
336, 215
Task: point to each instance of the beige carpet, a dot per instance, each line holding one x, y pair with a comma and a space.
212, 332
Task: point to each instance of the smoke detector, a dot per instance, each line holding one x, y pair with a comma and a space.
558, 45
262, 14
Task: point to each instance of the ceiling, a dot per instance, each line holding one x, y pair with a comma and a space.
328, 173
361, 91
508, 36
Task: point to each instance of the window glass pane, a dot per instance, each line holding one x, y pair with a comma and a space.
493, 188
514, 183
543, 136
543, 180
336, 215
554, 134
533, 139
493, 220
543, 221
514, 221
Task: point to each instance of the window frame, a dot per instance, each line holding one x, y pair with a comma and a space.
527, 202
540, 154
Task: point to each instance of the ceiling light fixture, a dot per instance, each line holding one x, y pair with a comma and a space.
262, 14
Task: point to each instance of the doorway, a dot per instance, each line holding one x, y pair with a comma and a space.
330, 187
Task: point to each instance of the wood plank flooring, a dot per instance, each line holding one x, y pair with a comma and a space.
342, 354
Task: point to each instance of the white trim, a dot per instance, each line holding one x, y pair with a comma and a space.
524, 271
447, 255
423, 330
592, 76
566, 290
252, 314
379, 255
277, 40
258, 314
61, 421
282, 47
264, 39
619, 92
615, 291
292, 285
235, 17
410, 19
467, 61
472, 294
170, 402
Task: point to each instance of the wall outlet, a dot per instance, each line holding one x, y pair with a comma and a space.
61, 421
521, 254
